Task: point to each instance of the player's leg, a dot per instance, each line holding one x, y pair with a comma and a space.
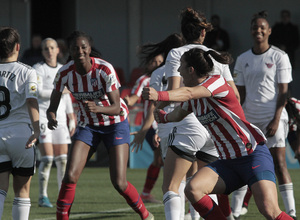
21, 204
205, 182
176, 166
118, 157
265, 196
46, 150
237, 200
60, 152
4, 183
77, 159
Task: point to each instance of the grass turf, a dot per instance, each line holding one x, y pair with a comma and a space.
96, 198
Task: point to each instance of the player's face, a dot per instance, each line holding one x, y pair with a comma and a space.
184, 72
154, 63
260, 30
50, 51
80, 50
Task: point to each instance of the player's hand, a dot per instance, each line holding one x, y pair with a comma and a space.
137, 143
150, 94
52, 122
160, 116
156, 140
272, 127
32, 140
91, 106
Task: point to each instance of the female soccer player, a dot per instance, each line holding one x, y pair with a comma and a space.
52, 144
102, 116
263, 74
185, 141
244, 157
19, 123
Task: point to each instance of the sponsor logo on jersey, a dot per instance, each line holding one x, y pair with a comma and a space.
88, 95
269, 65
209, 117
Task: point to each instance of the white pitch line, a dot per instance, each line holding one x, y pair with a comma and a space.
73, 216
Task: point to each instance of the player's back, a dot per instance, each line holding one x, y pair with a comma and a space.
17, 83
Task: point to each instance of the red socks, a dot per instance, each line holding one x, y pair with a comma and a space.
247, 197
283, 216
208, 209
65, 200
152, 175
224, 205
133, 199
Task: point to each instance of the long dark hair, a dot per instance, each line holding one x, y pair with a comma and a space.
148, 51
192, 23
201, 61
9, 37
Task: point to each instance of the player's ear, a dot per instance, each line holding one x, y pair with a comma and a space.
17, 47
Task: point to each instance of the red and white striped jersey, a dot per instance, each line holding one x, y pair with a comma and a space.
143, 81
93, 86
223, 117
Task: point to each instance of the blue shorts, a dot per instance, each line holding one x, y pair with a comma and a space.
149, 138
245, 170
112, 135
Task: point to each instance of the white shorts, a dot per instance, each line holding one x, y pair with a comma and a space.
60, 135
12, 147
189, 136
278, 140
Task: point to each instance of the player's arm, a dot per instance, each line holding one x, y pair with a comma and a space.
236, 91
176, 115
139, 137
131, 100
178, 95
242, 92
51, 111
281, 102
33, 110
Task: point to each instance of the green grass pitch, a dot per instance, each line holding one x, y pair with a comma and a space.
96, 198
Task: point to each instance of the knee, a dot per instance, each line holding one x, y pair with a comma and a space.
119, 185
71, 177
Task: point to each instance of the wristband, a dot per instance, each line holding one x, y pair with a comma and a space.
163, 116
163, 96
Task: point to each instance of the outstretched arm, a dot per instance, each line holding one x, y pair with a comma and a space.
176, 115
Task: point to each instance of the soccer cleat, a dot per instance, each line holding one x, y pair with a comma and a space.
44, 202
149, 199
244, 210
150, 216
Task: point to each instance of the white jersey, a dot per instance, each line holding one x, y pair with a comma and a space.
260, 74
18, 82
45, 78
159, 82
172, 65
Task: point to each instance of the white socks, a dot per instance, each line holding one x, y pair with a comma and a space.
61, 163
237, 200
182, 198
287, 194
21, 208
172, 202
2, 199
44, 173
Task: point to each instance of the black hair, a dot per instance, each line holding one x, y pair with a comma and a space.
201, 61
149, 51
192, 23
261, 14
9, 37
76, 34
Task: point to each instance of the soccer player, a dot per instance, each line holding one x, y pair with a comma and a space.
53, 144
186, 142
263, 74
244, 157
19, 123
102, 116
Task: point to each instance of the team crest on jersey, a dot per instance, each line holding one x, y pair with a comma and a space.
269, 65
209, 117
247, 65
94, 82
56, 78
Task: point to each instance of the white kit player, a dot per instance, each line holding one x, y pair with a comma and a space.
53, 144
263, 74
19, 123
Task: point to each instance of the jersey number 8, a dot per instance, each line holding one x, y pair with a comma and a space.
5, 107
